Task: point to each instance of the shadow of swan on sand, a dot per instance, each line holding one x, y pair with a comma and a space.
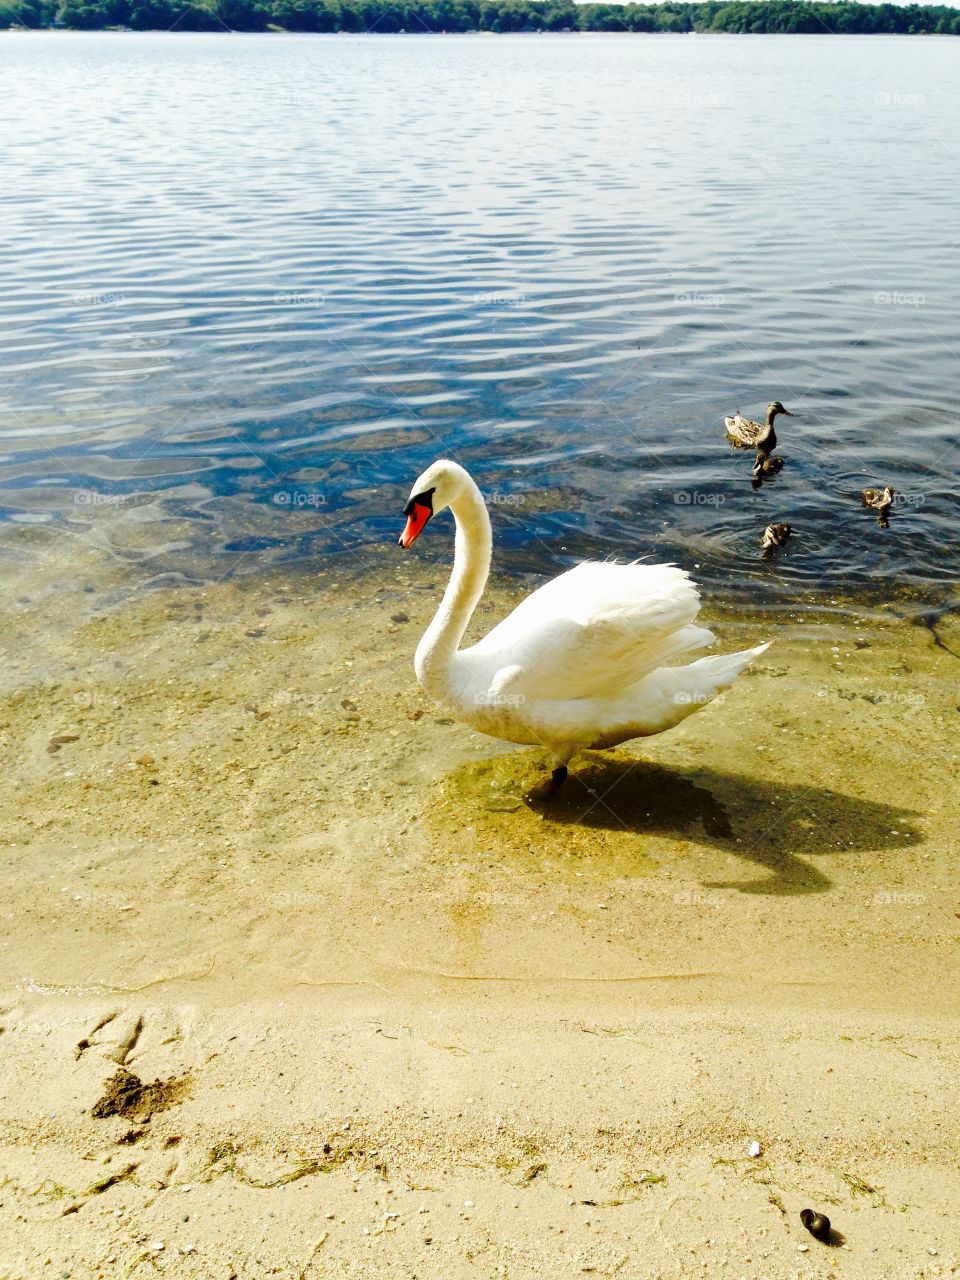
773, 824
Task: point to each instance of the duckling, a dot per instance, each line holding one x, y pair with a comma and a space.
879, 499
767, 465
774, 536
747, 434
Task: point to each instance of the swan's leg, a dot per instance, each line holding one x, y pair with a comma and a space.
557, 779
559, 775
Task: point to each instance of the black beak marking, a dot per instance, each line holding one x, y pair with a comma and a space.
424, 499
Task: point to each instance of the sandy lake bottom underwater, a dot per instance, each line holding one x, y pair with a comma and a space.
408, 1017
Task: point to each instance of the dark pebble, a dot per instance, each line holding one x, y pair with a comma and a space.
818, 1224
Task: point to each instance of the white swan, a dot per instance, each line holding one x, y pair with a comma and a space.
582, 662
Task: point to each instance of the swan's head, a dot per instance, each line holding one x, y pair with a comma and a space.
436, 489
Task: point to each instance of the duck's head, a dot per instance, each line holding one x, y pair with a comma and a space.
775, 407
436, 489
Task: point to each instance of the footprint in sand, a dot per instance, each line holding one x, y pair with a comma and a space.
88, 1042
9, 1017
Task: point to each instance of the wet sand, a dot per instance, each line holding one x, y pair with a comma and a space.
410, 1018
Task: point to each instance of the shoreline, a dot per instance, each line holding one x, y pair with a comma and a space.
286, 31
273, 29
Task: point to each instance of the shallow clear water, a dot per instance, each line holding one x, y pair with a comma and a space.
254, 284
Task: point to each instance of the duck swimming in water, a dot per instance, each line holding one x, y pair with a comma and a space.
747, 434
880, 500
767, 465
774, 536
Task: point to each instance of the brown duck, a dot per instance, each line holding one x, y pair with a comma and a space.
775, 536
879, 499
747, 434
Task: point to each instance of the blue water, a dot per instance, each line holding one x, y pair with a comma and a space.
253, 284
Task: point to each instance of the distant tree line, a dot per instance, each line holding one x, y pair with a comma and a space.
739, 16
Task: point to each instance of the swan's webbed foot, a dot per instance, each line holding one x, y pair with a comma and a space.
557, 779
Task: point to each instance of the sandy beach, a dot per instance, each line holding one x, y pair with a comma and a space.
301, 979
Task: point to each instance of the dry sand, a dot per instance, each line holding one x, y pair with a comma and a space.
405, 1018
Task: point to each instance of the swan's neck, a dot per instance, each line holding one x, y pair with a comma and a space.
471, 564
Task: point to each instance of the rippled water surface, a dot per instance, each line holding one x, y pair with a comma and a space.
253, 284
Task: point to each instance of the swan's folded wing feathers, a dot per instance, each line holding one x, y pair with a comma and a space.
595, 630
594, 589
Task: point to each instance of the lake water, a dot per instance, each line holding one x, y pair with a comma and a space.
254, 284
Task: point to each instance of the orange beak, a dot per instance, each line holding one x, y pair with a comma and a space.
417, 518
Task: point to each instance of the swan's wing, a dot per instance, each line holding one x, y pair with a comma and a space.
593, 631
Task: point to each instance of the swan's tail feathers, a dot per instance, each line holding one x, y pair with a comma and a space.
718, 672
683, 641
